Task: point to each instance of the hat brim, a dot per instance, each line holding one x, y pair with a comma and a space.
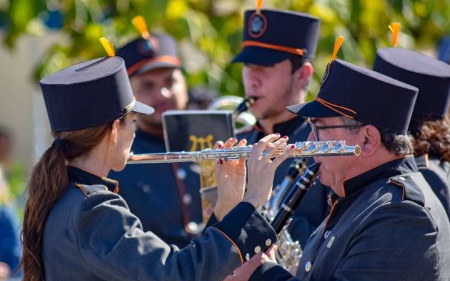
260, 56
313, 109
155, 65
141, 108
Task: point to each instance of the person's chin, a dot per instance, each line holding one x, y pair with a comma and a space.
259, 114
323, 175
119, 167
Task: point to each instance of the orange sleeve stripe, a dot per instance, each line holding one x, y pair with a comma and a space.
332, 108
294, 51
234, 244
168, 59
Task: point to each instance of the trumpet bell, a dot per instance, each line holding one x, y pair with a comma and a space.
238, 105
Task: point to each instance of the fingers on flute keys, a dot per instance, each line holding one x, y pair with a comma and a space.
228, 144
267, 147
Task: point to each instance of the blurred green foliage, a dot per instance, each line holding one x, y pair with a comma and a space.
209, 31
12, 195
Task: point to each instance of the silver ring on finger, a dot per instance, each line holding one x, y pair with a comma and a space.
266, 154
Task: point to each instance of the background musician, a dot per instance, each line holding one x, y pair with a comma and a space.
278, 50
430, 126
165, 197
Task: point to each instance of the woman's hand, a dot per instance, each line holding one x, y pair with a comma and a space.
230, 178
4, 271
245, 271
261, 168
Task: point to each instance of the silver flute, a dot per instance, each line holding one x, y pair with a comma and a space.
302, 149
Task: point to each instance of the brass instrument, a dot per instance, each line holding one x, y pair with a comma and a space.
239, 106
302, 149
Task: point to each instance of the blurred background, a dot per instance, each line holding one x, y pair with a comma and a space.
40, 37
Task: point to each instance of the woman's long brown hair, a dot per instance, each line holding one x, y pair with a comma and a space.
49, 181
434, 138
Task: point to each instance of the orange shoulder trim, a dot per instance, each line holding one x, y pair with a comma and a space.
81, 188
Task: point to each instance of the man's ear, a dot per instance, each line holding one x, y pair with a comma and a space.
303, 75
370, 140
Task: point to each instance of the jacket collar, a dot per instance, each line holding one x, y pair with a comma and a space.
77, 175
393, 168
286, 128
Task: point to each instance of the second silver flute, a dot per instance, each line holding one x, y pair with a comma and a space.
302, 149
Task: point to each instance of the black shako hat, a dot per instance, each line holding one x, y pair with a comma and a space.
89, 94
430, 76
363, 95
271, 36
142, 55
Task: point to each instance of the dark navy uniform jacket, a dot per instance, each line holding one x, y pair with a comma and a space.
91, 235
165, 197
389, 226
313, 208
10, 245
437, 174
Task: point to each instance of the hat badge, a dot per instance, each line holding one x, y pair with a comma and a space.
257, 25
149, 45
337, 46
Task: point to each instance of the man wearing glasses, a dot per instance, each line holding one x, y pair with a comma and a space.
315, 129
385, 223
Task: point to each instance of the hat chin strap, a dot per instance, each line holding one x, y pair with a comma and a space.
295, 51
337, 108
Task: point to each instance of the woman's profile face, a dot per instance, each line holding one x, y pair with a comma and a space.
125, 136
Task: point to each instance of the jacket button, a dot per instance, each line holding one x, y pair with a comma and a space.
308, 266
268, 242
257, 249
181, 174
187, 199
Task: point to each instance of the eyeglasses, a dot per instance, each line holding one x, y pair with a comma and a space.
315, 129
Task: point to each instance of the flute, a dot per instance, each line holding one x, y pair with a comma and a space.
302, 149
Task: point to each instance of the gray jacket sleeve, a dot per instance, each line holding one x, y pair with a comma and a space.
398, 243
113, 243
